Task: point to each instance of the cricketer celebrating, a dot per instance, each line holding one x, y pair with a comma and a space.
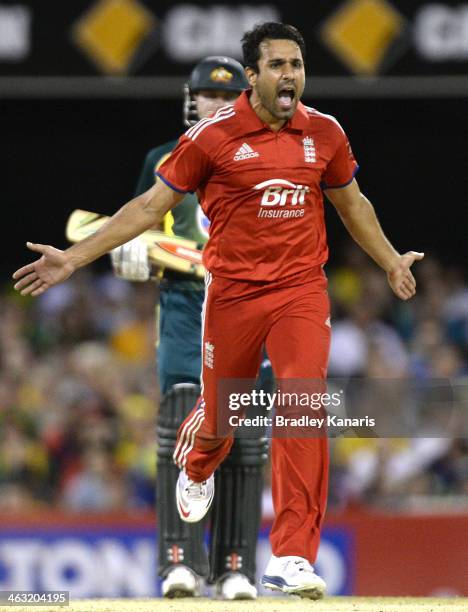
213, 83
260, 168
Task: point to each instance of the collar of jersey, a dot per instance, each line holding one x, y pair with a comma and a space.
251, 122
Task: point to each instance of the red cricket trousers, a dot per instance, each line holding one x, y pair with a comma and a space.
291, 317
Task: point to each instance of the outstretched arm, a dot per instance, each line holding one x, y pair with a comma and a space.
55, 266
359, 217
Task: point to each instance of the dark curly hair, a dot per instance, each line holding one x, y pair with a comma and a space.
272, 30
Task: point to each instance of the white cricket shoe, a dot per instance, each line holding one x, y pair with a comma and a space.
181, 582
235, 586
193, 498
293, 575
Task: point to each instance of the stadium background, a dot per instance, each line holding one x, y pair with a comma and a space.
85, 91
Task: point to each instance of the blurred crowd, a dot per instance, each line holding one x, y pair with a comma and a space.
402, 350
79, 395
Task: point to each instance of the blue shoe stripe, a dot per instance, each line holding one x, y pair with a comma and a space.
276, 580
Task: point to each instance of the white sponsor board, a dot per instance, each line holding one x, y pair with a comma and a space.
15, 32
441, 32
192, 31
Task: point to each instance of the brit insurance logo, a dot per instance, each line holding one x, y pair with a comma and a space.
281, 199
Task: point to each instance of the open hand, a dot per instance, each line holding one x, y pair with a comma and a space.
52, 268
400, 278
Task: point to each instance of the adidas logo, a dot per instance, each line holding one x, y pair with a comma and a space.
245, 152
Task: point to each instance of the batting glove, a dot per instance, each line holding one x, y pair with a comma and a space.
130, 261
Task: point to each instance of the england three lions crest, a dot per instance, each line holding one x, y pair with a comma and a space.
309, 150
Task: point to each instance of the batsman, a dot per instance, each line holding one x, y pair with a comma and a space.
183, 561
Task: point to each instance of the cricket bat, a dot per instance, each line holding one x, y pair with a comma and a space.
164, 251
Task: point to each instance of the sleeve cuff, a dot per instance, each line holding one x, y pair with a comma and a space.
325, 186
169, 184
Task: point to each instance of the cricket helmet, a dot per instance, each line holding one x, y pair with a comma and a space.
214, 72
